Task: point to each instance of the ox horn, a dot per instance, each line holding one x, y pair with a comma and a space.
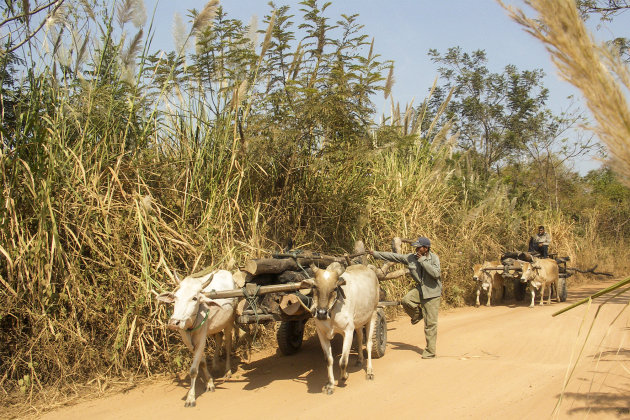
308, 283
177, 278
208, 280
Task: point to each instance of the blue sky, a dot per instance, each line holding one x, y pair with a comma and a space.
404, 31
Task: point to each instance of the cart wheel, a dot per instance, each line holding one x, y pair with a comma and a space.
289, 336
379, 338
519, 289
562, 293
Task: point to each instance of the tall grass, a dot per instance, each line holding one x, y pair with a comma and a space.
111, 185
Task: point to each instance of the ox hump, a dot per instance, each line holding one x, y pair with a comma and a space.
222, 280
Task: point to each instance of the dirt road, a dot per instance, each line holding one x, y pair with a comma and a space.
507, 361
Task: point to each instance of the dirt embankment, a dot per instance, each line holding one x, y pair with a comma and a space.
507, 361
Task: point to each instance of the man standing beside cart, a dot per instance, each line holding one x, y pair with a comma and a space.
423, 301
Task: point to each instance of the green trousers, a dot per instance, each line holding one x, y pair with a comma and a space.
417, 307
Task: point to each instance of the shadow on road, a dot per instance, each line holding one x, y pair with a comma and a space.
599, 403
308, 366
397, 345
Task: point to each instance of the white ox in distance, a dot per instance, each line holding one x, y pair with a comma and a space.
540, 275
196, 317
344, 302
489, 280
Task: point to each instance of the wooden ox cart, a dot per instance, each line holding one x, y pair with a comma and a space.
273, 290
511, 269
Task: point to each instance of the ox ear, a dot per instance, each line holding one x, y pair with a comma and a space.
341, 281
307, 283
207, 301
166, 297
336, 267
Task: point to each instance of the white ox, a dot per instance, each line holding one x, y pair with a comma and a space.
488, 280
344, 302
540, 274
196, 317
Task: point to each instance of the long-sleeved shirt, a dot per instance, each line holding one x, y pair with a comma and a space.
424, 270
544, 239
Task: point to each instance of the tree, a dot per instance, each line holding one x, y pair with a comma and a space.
495, 113
607, 10
555, 143
8, 98
18, 19
611, 198
224, 58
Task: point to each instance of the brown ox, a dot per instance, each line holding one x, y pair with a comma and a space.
488, 280
540, 275
344, 302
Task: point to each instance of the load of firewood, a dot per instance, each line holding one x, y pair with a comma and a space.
294, 266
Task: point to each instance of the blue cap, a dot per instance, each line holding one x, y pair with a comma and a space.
422, 241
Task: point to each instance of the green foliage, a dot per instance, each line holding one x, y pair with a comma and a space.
495, 112
117, 171
611, 199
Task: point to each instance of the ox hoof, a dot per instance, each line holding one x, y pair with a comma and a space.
476, 305
328, 389
369, 376
190, 404
228, 374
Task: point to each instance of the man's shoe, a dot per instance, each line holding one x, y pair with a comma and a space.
425, 355
414, 321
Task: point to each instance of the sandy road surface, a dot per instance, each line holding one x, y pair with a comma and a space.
507, 361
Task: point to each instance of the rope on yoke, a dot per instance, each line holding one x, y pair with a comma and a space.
251, 296
301, 268
294, 255
305, 299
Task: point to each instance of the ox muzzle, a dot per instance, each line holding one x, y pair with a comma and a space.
322, 314
179, 324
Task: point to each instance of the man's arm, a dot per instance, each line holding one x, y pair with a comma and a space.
544, 239
431, 265
390, 256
